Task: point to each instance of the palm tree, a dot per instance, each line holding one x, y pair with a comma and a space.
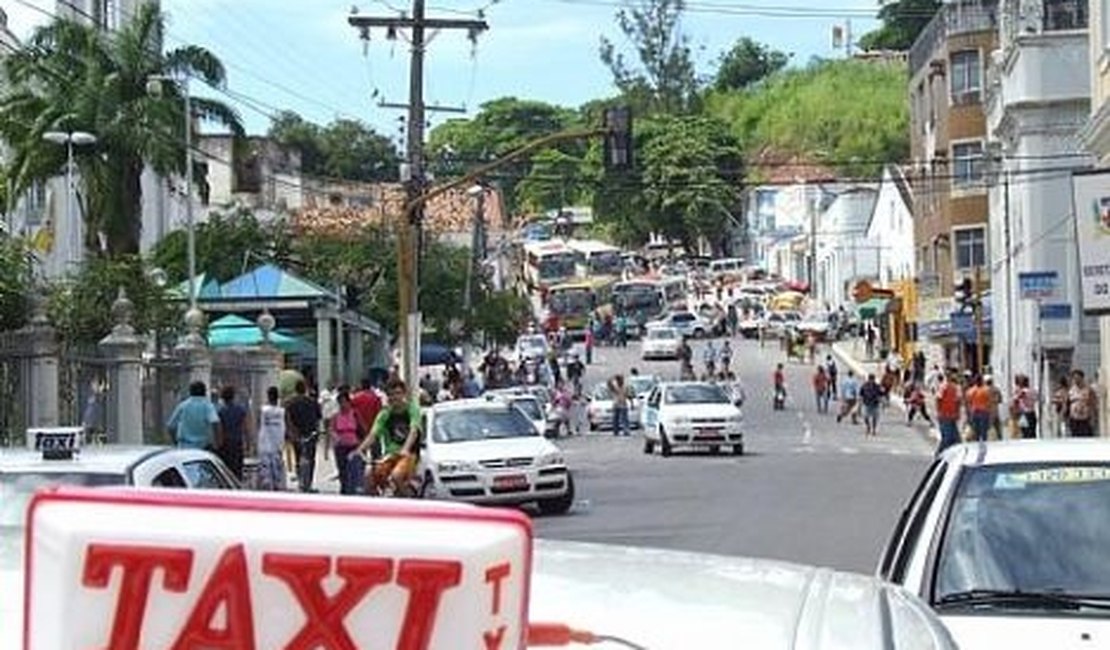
72, 77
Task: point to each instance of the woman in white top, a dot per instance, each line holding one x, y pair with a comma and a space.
271, 442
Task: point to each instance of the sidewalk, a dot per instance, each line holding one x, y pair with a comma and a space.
850, 353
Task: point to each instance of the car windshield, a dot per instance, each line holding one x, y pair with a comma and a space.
601, 392
662, 333
469, 424
531, 342
530, 407
1028, 527
696, 394
641, 385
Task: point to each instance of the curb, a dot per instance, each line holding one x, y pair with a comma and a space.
858, 367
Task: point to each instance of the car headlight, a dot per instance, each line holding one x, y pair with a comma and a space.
455, 466
553, 458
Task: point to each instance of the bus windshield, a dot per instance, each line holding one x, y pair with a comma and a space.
606, 263
556, 266
572, 301
632, 302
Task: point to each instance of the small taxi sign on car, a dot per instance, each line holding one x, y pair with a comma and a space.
168, 569
56, 442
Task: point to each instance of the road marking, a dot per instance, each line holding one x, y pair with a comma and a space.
807, 437
849, 450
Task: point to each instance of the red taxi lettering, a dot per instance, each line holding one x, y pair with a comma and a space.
493, 639
425, 580
228, 590
137, 565
305, 574
494, 575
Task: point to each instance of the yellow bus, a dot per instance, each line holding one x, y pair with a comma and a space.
571, 303
547, 263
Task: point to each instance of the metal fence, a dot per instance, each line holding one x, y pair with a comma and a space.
15, 371
83, 389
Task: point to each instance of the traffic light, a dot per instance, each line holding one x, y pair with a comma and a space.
964, 293
618, 138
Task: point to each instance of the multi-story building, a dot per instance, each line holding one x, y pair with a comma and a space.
1095, 137
890, 230
844, 254
948, 148
1037, 98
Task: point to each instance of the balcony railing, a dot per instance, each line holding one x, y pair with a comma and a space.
952, 19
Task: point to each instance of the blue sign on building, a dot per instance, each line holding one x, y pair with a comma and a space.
1058, 311
1038, 285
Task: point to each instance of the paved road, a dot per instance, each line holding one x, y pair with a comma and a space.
807, 489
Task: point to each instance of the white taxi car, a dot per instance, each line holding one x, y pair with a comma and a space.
1007, 541
692, 414
660, 343
487, 451
599, 410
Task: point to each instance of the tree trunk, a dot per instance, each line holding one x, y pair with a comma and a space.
123, 219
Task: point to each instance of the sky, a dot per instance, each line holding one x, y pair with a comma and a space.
301, 55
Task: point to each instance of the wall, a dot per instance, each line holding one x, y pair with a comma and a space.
891, 230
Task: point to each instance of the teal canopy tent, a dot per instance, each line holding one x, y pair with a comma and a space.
235, 331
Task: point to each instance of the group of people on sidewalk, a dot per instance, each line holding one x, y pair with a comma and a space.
284, 434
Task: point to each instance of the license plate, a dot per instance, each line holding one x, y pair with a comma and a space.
708, 432
512, 480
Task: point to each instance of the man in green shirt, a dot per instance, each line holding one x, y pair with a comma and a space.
396, 434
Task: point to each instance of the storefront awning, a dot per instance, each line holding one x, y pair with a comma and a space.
874, 307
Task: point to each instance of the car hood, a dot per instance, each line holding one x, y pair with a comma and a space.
479, 450
1015, 632
668, 600
11, 586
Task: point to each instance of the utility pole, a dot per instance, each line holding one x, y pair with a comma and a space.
1010, 319
409, 230
977, 288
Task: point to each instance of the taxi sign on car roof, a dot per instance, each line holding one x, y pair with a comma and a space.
56, 442
170, 569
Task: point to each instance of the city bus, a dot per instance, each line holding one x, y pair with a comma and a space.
641, 298
596, 259
675, 292
571, 303
547, 263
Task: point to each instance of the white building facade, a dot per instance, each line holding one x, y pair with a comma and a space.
844, 253
890, 231
1038, 98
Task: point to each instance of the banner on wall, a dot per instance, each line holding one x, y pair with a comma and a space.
1091, 205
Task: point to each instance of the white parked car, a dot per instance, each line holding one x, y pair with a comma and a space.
816, 323
487, 451
531, 347
660, 343
692, 414
687, 323
599, 410
1007, 541
529, 404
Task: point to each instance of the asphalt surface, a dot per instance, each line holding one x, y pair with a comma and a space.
807, 489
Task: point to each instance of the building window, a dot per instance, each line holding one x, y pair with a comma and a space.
971, 248
964, 76
1065, 14
967, 163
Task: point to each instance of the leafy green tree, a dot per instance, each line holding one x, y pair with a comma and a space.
663, 78
501, 126
80, 307
346, 149
227, 246
70, 77
902, 22
15, 282
684, 187
747, 63
850, 115
500, 315
554, 181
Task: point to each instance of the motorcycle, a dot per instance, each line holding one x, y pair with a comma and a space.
779, 400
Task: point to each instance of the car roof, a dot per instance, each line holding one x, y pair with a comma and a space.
1005, 452
677, 384
490, 402
94, 459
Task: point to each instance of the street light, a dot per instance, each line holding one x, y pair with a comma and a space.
154, 87
69, 140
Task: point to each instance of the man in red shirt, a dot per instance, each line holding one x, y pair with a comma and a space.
948, 413
366, 404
